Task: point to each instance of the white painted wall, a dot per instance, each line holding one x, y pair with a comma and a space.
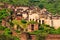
24, 16
34, 16
56, 23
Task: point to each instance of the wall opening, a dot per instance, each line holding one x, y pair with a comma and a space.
42, 21
32, 27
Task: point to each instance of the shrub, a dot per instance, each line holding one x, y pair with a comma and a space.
5, 37
7, 31
2, 27
41, 6
23, 21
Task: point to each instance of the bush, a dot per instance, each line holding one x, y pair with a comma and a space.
32, 22
17, 31
5, 37
54, 31
39, 37
23, 21
41, 6
7, 31
2, 27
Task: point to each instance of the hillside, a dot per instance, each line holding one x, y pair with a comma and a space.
52, 6
30, 19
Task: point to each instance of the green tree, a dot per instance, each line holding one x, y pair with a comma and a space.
21, 23
2, 27
33, 2
3, 14
41, 6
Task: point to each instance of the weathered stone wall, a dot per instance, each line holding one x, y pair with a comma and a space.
33, 14
53, 37
26, 36
35, 27
55, 22
29, 28
33, 37
52, 22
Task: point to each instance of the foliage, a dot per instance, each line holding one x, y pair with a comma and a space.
44, 31
41, 6
47, 29
17, 31
41, 36
5, 37
52, 6
32, 22
7, 31
54, 31
21, 23
3, 13
33, 2
2, 27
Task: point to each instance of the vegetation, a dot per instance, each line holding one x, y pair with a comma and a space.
2, 27
3, 14
4, 37
44, 30
32, 22
6, 34
7, 31
52, 6
21, 23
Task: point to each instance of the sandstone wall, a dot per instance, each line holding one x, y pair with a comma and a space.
55, 23
53, 37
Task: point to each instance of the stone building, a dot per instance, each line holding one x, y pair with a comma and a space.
41, 15
36, 14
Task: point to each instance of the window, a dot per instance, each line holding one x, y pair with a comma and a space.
39, 21
32, 27
36, 20
30, 19
33, 19
42, 21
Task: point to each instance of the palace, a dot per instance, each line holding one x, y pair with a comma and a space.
41, 16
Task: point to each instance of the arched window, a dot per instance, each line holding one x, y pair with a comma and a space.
33, 19
30, 19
